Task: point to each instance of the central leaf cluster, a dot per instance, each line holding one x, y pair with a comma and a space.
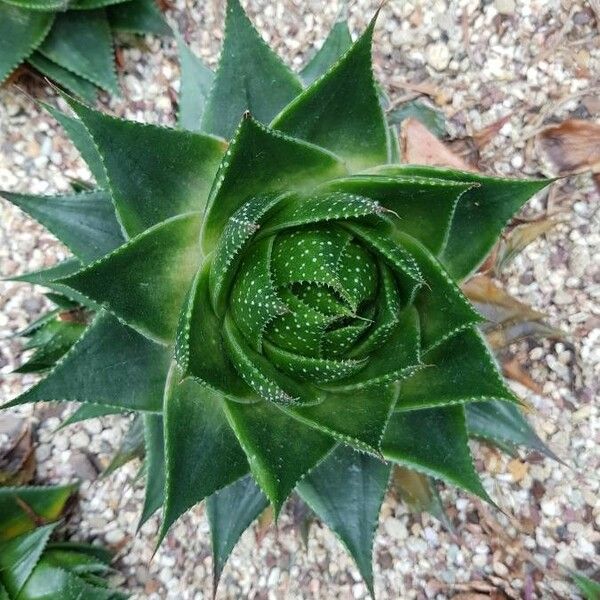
313, 285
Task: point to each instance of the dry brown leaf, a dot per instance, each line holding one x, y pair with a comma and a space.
420, 147
483, 137
496, 305
519, 238
571, 147
518, 469
264, 522
17, 463
513, 370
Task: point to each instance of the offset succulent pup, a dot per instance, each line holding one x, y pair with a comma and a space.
276, 294
31, 566
71, 41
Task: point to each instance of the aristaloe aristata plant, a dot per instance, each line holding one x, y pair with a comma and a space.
277, 294
71, 41
32, 567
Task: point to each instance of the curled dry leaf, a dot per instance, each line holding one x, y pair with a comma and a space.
419, 146
570, 147
519, 238
508, 319
17, 461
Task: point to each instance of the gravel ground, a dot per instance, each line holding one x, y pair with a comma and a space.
530, 60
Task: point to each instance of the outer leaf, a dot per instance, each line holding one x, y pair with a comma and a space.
81, 42
503, 424
131, 447
21, 32
260, 160
280, 449
250, 77
66, 79
145, 281
230, 512
155, 465
18, 505
82, 140
154, 172
50, 581
341, 111
110, 365
86, 223
346, 491
481, 214
460, 370
202, 452
335, 45
196, 82
20, 555
434, 442
90, 411
588, 587
138, 16
425, 207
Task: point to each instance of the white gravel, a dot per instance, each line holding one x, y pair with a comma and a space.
481, 60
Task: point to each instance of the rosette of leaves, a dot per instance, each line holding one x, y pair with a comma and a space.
32, 566
71, 41
276, 295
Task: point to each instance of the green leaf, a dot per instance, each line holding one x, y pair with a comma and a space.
250, 77
20, 555
19, 505
259, 161
346, 491
481, 214
91, 4
144, 282
49, 581
90, 411
82, 140
196, 82
111, 365
459, 370
280, 449
154, 439
199, 346
434, 442
65, 78
202, 452
138, 16
21, 32
432, 118
85, 223
39, 5
588, 587
443, 309
341, 111
335, 45
48, 352
504, 425
131, 446
154, 172
81, 42
425, 207
230, 512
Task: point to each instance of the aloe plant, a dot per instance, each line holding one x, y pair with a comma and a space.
32, 566
277, 295
71, 41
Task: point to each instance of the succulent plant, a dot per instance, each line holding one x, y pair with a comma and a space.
71, 41
277, 295
31, 566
